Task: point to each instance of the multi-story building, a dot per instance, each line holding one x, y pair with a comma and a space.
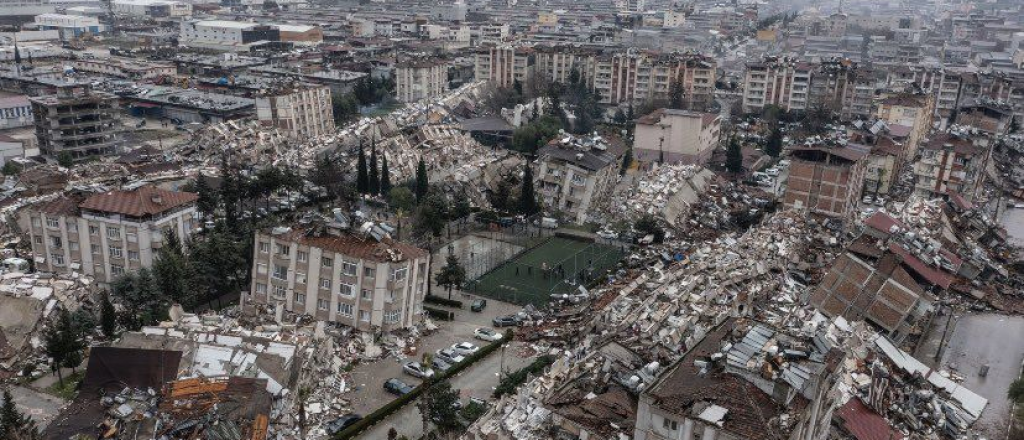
302, 111
952, 163
104, 235
69, 26
77, 120
151, 8
504, 65
780, 82
126, 68
575, 174
340, 276
15, 111
909, 110
826, 180
300, 34
231, 36
421, 80
676, 136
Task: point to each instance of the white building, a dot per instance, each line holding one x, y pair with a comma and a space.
677, 136
107, 234
151, 8
15, 111
233, 36
420, 80
301, 112
69, 26
26, 8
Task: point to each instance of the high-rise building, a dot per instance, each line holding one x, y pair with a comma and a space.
300, 110
77, 120
420, 80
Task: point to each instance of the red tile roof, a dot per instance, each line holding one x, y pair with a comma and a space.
883, 222
931, 274
355, 246
863, 423
147, 200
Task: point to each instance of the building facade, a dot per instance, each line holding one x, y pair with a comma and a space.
826, 180
300, 111
676, 136
776, 82
952, 163
420, 80
15, 111
340, 276
105, 235
504, 65
151, 8
576, 174
77, 120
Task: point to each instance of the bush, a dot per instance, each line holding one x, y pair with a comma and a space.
386, 410
441, 315
510, 382
434, 299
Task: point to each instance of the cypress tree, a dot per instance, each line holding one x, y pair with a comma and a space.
362, 178
422, 185
734, 156
374, 175
108, 316
527, 197
385, 175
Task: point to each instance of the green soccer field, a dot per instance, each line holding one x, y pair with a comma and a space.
523, 279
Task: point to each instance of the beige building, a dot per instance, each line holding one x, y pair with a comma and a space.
503, 65
575, 174
677, 136
302, 111
951, 163
910, 110
105, 235
777, 82
421, 80
340, 276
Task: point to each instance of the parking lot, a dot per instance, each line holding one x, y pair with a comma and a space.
369, 378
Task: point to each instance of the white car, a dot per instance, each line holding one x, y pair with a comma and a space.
772, 172
418, 370
486, 334
464, 348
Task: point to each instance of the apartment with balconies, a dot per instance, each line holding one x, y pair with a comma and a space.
504, 65
575, 174
301, 111
952, 163
777, 81
77, 120
365, 280
106, 234
421, 80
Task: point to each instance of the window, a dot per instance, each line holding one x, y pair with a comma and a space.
322, 304
300, 298
113, 233
399, 274
283, 249
346, 289
280, 292
57, 259
94, 230
133, 255
364, 316
94, 248
264, 247
348, 268
391, 296
116, 269
366, 294
344, 309
261, 288
115, 252
74, 246
38, 239
300, 278
325, 283
670, 425
73, 227
302, 256
261, 268
391, 317
52, 222
56, 242
326, 262
36, 222
369, 272
280, 272
131, 237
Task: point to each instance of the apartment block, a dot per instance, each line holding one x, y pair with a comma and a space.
676, 136
639, 76
300, 110
952, 163
912, 110
107, 234
341, 276
779, 82
78, 120
576, 173
504, 65
826, 180
421, 80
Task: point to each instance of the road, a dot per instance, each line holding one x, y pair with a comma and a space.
994, 340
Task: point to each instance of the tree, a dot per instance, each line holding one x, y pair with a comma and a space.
402, 199
13, 424
422, 184
620, 117
630, 121
432, 214
773, 147
462, 208
208, 199
501, 198
517, 87
65, 159
1016, 391
734, 156
11, 168
627, 161
362, 176
108, 316
438, 406
220, 264
675, 94
83, 322
141, 297
649, 225
527, 197
385, 176
374, 188
63, 343
328, 175
531, 137
345, 108
452, 275
172, 273
230, 194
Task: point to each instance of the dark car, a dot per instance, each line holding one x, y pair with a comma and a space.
478, 305
506, 321
397, 387
339, 424
439, 364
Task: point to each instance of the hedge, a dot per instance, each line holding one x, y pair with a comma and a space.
510, 382
443, 301
443, 315
394, 405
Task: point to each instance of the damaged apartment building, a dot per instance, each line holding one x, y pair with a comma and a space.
358, 277
77, 120
575, 173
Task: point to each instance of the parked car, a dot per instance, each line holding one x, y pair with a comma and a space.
439, 364
465, 348
607, 235
339, 424
505, 321
486, 334
417, 369
478, 305
450, 356
397, 387
772, 172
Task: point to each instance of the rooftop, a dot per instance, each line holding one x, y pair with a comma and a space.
353, 245
145, 201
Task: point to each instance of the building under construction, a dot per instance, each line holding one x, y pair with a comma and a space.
78, 120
